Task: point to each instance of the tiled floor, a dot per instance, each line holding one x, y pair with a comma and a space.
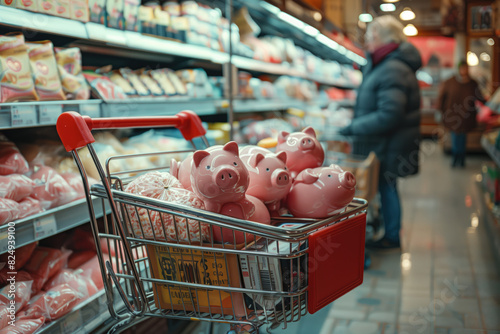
444, 281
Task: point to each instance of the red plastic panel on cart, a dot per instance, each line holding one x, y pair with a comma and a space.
336, 261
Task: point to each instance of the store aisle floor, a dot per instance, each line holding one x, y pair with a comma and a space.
444, 281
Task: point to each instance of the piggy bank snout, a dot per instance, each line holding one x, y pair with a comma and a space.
347, 180
281, 178
226, 177
307, 143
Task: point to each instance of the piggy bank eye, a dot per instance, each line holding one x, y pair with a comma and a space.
267, 169
234, 163
329, 175
286, 169
208, 167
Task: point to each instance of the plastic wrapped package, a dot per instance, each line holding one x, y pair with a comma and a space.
118, 79
51, 188
162, 78
15, 186
103, 88
24, 326
92, 270
75, 181
9, 210
23, 254
150, 83
4, 316
44, 67
54, 303
76, 259
83, 285
81, 240
22, 294
21, 276
11, 160
43, 152
16, 82
135, 81
44, 264
29, 206
69, 63
165, 187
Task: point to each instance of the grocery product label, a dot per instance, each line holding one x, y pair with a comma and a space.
62, 8
45, 226
23, 115
79, 10
50, 113
11, 3
27, 4
191, 266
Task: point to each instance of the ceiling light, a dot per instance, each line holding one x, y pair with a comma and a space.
317, 16
484, 56
327, 41
365, 17
410, 30
490, 41
472, 59
273, 9
391, 1
387, 7
407, 14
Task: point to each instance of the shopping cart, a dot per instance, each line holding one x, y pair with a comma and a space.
281, 272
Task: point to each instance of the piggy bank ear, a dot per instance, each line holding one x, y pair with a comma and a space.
282, 156
310, 131
232, 147
307, 176
336, 167
255, 159
198, 156
282, 136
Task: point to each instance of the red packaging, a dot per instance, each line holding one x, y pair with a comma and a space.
4, 319
24, 326
74, 278
9, 210
11, 160
23, 254
92, 270
29, 206
75, 181
76, 259
15, 187
16, 82
69, 62
22, 294
44, 67
51, 188
44, 264
21, 276
54, 303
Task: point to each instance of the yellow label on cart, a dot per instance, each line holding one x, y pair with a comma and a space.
199, 267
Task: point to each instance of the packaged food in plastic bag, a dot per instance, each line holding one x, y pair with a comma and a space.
75, 279
11, 160
23, 254
162, 78
165, 187
51, 188
54, 303
81, 240
16, 83
4, 316
44, 67
15, 187
9, 210
92, 270
24, 326
69, 63
29, 206
135, 81
75, 181
44, 263
77, 259
21, 292
21, 276
103, 88
150, 83
118, 79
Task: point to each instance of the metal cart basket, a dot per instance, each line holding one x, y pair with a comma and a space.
277, 275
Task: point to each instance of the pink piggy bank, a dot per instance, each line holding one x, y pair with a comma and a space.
269, 177
182, 171
218, 176
303, 150
251, 208
321, 192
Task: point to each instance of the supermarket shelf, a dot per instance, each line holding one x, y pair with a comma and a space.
42, 113
491, 150
491, 222
159, 107
50, 222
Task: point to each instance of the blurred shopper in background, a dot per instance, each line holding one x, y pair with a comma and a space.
457, 101
387, 115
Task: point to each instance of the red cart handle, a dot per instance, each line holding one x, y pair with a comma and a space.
74, 129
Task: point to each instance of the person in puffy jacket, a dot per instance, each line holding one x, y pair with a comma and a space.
387, 115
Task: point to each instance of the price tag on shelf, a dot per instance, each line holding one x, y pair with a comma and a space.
49, 113
45, 226
23, 115
4, 242
90, 109
72, 323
